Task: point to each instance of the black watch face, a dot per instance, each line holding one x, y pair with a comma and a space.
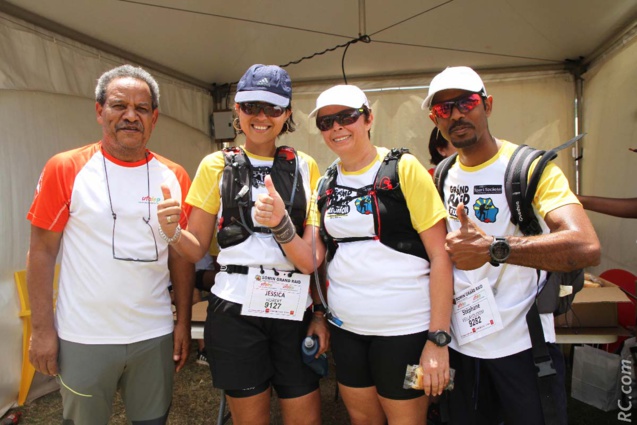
500, 250
441, 338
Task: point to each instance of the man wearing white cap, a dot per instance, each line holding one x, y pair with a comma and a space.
496, 378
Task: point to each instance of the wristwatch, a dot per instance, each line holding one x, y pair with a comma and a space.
440, 338
318, 307
499, 250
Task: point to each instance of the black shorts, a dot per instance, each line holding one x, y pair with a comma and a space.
490, 391
246, 352
366, 360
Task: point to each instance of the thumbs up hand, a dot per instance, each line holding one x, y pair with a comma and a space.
269, 207
463, 218
168, 212
468, 246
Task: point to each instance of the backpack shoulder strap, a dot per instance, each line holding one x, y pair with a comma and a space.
325, 189
440, 174
542, 163
326, 184
520, 189
285, 161
515, 188
387, 175
236, 174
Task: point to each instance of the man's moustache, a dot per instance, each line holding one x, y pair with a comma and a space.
130, 127
460, 124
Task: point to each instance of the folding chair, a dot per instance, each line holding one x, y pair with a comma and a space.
28, 371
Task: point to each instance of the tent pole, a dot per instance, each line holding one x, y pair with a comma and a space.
577, 149
577, 68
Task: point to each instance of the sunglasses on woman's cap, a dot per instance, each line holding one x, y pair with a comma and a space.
346, 117
253, 108
464, 105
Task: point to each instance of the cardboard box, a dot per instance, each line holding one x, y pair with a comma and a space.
200, 311
594, 307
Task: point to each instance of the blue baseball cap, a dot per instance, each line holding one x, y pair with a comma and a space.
265, 83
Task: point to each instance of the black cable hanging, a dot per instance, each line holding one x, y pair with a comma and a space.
363, 38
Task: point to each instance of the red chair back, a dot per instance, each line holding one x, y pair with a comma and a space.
626, 314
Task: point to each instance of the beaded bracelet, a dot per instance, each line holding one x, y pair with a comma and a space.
175, 237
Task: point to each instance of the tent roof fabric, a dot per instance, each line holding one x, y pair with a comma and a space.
216, 41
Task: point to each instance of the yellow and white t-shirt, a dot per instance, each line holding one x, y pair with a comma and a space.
259, 249
374, 289
481, 189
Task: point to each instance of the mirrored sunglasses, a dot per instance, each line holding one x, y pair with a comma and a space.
464, 105
347, 117
253, 108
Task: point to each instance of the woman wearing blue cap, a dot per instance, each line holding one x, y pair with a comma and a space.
260, 311
390, 278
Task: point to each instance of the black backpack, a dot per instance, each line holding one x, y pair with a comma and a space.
392, 221
520, 191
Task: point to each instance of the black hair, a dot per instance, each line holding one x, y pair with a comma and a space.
367, 112
436, 141
290, 125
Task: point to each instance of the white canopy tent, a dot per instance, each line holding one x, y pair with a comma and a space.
47, 105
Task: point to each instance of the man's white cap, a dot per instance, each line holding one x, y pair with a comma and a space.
454, 77
345, 95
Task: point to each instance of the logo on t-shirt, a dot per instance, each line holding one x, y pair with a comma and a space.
364, 205
150, 199
485, 211
488, 189
339, 202
258, 176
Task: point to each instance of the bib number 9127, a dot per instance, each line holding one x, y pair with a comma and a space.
272, 304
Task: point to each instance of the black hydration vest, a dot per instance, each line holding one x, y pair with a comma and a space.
392, 220
235, 224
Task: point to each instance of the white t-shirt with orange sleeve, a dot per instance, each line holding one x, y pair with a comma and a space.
104, 297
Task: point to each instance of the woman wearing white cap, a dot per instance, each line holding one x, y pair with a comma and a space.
255, 324
389, 275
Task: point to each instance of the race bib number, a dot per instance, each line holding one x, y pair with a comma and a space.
475, 313
278, 295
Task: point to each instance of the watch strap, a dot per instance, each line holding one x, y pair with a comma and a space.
318, 308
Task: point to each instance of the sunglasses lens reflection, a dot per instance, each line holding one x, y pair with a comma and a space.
251, 108
464, 105
349, 117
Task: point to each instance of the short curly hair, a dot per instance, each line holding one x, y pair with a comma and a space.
126, 71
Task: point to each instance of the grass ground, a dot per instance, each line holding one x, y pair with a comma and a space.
196, 402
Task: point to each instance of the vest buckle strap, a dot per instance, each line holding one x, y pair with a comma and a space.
233, 268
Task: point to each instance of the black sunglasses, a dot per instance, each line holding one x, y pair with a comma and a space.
347, 117
254, 108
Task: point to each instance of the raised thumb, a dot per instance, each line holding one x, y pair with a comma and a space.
462, 216
269, 185
165, 190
